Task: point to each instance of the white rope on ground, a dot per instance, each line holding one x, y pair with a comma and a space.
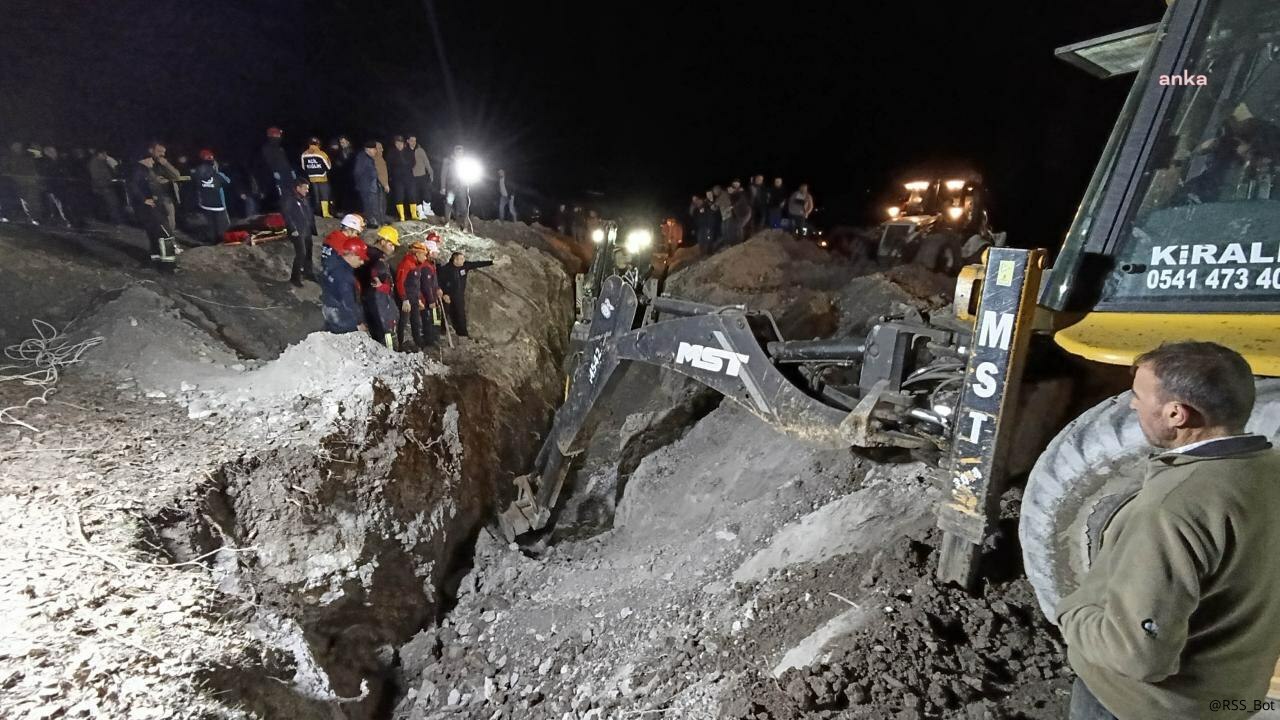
38, 363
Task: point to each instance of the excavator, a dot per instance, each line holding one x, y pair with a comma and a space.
938, 223
1177, 237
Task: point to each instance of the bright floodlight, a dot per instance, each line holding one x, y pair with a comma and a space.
955, 185
955, 212
917, 185
597, 236
638, 240
469, 170
894, 211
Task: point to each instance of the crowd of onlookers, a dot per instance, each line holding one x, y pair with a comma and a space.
201, 193
727, 215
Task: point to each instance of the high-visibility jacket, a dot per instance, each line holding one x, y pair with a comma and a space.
316, 165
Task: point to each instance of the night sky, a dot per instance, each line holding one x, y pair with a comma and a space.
646, 102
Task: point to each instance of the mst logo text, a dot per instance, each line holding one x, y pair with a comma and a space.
711, 359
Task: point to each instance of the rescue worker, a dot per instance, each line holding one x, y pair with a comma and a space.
211, 196
141, 189
316, 166
301, 223
417, 290
1177, 616
277, 163
423, 179
453, 285
799, 207
342, 253
378, 283
164, 183
400, 176
365, 175
705, 221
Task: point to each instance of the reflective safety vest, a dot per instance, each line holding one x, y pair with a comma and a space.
316, 165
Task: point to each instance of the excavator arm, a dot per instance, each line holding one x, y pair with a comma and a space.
742, 355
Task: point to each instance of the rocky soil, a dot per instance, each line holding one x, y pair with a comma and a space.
222, 513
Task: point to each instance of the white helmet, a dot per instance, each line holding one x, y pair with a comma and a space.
353, 221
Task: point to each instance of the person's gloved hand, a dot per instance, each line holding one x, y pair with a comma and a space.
404, 306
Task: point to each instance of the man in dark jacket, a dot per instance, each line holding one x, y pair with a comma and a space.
21, 186
102, 180
142, 194
453, 283
705, 220
211, 195
777, 203
276, 163
342, 253
378, 281
759, 198
1177, 617
301, 223
365, 176
400, 174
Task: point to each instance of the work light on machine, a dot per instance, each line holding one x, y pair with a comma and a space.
597, 236
917, 185
955, 212
469, 170
638, 240
955, 185
894, 211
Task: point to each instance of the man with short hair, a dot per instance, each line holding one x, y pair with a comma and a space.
453, 283
423, 179
506, 200
777, 203
164, 183
141, 189
800, 207
1181, 607
102, 181
400, 175
301, 223
365, 176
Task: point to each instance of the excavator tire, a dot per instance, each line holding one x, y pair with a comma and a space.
1093, 465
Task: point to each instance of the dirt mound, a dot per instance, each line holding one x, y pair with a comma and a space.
920, 649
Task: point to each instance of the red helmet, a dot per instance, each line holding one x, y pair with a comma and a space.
433, 236
274, 132
206, 155
355, 246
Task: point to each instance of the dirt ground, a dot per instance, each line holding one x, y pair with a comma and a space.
222, 513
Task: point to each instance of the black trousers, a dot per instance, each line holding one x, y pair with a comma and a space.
320, 192
217, 222
422, 189
374, 206
302, 266
425, 333
402, 192
457, 311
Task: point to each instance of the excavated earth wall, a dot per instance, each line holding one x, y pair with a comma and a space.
329, 494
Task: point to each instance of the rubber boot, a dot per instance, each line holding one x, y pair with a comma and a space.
324, 209
400, 211
413, 211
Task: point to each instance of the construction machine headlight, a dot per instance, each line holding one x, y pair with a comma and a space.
597, 236
955, 185
955, 213
638, 240
469, 170
917, 185
894, 211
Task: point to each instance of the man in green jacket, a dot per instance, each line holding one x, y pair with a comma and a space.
1179, 615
